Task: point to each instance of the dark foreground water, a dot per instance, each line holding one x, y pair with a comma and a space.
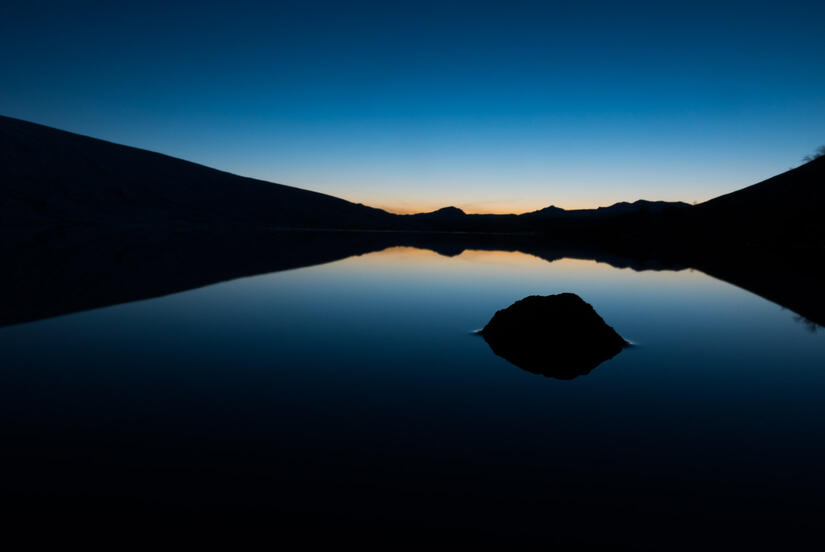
355, 396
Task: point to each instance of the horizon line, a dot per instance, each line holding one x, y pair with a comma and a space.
468, 210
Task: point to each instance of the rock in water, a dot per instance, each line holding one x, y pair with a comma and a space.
558, 336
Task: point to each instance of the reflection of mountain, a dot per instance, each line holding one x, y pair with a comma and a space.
57, 272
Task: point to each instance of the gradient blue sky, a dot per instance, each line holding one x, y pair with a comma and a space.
490, 106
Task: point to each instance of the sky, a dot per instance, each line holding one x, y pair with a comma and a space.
489, 106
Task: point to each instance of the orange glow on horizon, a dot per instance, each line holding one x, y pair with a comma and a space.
470, 209
484, 208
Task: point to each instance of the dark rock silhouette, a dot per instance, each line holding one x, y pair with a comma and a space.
557, 336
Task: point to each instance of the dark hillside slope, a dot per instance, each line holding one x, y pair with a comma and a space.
786, 210
48, 175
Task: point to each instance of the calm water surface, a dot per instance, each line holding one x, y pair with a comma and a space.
357, 391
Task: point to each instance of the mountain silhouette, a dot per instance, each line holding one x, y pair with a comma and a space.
444, 213
49, 176
783, 211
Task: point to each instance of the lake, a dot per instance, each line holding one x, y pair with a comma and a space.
355, 394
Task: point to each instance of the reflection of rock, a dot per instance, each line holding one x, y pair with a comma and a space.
557, 336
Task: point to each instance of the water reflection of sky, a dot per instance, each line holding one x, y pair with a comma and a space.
375, 353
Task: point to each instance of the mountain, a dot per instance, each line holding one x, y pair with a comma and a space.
640, 206
800, 188
443, 213
48, 175
785, 210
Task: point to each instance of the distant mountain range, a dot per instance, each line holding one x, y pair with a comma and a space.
49, 176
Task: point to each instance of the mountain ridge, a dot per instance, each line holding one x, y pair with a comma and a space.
53, 175
28, 150
50, 176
